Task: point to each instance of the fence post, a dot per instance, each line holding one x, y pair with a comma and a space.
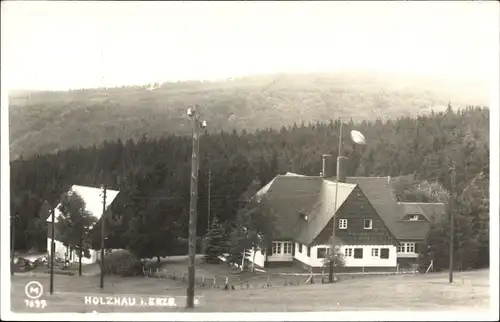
213, 285
203, 281
226, 284
363, 270
397, 268
157, 272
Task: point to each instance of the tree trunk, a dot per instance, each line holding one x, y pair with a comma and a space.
158, 259
253, 259
330, 272
243, 260
80, 258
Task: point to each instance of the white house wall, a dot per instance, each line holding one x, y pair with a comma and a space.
260, 257
302, 256
61, 250
367, 261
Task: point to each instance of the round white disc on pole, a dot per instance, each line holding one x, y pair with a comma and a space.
358, 137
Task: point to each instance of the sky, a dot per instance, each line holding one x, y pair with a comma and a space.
60, 45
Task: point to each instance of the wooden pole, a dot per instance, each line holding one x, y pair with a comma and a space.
52, 251
12, 249
193, 211
104, 188
332, 274
452, 228
209, 195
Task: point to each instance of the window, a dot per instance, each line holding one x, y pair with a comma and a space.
276, 248
343, 223
358, 252
348, 252
384, 253
413, 217
375, 252
322, 252
406, 248
367, 224
287, 248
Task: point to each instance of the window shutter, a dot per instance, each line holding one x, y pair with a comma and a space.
384, 253
417, 248
269, 250
293, 249
308, 251
358, 252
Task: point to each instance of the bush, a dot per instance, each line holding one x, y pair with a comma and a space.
121, 263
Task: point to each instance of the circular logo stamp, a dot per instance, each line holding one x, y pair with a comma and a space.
33, 290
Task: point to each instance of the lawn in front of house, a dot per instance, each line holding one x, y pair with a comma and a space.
470, 291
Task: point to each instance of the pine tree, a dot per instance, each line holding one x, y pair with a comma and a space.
217, 243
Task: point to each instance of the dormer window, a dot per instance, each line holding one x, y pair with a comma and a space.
413, 217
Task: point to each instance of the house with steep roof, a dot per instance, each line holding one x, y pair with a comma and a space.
93, 204
373, 231
415, 222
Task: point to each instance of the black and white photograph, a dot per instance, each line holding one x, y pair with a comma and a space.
249, 160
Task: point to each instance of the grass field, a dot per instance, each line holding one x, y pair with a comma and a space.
470, 291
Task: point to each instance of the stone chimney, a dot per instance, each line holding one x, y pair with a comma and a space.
341, 168
327, 169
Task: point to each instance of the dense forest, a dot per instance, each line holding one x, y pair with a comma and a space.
43, 122
153, 175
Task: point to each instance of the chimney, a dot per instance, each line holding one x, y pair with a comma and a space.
327, 170
341, 168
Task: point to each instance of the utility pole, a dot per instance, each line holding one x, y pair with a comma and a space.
332, 276
103, 187
193, 205
208, 210
452, 224
52, 250
12, 249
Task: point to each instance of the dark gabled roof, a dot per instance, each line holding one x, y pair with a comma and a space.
291, 195
288, 196
307, 231
418, 230
411, 209
379, 192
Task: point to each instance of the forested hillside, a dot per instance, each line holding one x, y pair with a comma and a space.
153, 175
43, 122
